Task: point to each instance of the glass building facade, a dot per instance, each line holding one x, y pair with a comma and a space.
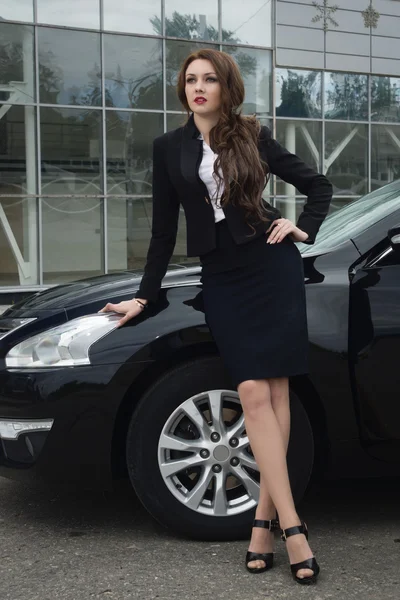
86, 85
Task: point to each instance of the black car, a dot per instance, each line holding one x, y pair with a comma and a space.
82, 400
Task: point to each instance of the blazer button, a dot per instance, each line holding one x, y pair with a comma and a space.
206, 199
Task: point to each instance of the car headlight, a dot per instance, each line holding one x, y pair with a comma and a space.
66, 345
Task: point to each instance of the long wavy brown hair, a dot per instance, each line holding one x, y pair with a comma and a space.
234, 137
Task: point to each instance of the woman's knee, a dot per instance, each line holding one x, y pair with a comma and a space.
254, 395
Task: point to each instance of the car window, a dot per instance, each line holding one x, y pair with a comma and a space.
353, 219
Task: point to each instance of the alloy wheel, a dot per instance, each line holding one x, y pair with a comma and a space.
205, 458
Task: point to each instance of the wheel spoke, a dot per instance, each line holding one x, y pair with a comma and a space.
220, 503
172, 467
248, 461
237, 428
251, 486
243, 443
190, 409
172, 442
215, 400
196, 495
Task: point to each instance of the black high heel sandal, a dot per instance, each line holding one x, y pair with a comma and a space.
268, 558
309, 563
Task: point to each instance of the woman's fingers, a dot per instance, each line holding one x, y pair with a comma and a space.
129, 309
126, 318
282, 233
106, 308
282, 227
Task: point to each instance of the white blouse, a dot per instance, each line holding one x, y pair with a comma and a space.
206, 174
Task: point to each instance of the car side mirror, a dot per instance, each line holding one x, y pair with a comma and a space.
394, 237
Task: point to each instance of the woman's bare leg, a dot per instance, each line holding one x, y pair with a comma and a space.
268, 446
262, 540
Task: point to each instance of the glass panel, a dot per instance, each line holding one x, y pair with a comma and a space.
256, 69
385, 147
176, 54
183, 22
290, 207
17, 80
385, 99
249, 23
20, 10
133, 72
268, 190
133, 17
298, 93
71, 151
72, 230
175, 121
129, 233
130, 138
346, 157
18, 241
346, 96
74, 13
69, 66
18, 216
17, 149
303, 139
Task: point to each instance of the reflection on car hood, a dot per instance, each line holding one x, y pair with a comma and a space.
94, 288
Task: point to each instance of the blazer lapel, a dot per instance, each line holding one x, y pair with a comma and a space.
191, 151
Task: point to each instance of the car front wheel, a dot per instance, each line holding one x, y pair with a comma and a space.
189, 458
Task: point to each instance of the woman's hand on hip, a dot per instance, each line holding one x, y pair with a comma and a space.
129, 308
280, 228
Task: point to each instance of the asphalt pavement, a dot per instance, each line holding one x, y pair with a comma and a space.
68, 544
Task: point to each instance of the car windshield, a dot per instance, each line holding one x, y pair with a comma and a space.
349, 221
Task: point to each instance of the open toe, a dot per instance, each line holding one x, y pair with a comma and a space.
305, 571
257, 562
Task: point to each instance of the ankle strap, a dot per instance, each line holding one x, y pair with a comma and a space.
272, 524
294, 531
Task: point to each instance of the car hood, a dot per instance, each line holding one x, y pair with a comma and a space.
85, 291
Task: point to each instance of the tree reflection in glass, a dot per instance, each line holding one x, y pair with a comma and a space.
385, 99
346, 96
298, 93
133, 72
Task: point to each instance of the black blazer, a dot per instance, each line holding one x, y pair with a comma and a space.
176, 159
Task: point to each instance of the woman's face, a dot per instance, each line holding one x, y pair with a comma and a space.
203, 90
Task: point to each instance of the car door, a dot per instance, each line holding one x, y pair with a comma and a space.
374, 350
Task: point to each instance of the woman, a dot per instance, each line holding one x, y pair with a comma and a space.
217, 166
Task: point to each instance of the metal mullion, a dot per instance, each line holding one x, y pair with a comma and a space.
103, 146
322, 166
300, 119
164, 64
353, 122
274, 26
98, 196
71, 106
138, 110
220, 24
101, 21
369, 134
3, 102
39, 207
273, 77
67, 27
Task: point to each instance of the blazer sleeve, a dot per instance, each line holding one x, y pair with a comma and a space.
312, 184
164, 226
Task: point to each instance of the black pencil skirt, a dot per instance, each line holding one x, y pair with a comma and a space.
254, 302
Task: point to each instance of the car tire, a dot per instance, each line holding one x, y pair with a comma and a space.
148, 420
